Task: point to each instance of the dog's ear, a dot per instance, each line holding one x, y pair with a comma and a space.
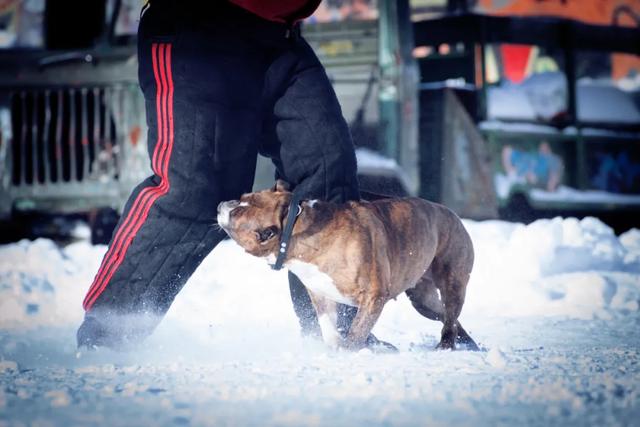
282, 185
283, 208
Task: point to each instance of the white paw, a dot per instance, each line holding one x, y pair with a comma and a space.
330, 334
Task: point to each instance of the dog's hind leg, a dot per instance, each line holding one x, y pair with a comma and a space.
452, 283
426, 300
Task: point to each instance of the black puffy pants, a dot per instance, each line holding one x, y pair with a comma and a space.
220, 86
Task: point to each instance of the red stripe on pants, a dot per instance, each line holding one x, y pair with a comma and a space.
161, 59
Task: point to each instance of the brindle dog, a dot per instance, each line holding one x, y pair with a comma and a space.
363, 254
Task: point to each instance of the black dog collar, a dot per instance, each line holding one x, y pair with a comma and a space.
295, 209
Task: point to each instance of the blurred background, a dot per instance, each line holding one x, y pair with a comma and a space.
512, 109
500, 109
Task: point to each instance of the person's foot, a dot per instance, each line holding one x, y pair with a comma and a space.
92, 334
379, 346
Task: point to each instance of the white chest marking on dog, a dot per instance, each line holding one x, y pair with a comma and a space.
317, 281
330, 334
271, 259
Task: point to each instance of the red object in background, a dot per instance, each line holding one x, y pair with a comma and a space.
515, 61
279, 10
134, 135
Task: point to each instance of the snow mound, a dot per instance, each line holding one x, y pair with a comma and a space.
42, 284
544, 96
565, 267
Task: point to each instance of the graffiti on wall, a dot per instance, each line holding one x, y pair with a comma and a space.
599, 12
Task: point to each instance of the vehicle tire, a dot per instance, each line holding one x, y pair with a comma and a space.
102, 223
13, 230
518, 209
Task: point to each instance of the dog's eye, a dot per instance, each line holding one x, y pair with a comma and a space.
265, 234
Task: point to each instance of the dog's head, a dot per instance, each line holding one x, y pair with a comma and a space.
255, 221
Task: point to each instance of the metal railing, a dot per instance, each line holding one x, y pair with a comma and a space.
68, 135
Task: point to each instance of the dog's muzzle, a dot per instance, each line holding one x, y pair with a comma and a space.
224, 212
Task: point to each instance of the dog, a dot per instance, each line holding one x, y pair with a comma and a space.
363, 254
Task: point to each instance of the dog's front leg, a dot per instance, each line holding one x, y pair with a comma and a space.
368, 313
327, 319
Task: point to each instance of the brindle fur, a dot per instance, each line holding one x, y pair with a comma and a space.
373, 251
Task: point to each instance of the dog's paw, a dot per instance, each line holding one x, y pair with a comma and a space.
349, 346
446, 345
330, 334
468, 346
334, 342
372, 344
379, 346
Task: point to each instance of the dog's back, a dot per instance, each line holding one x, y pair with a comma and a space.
413, 227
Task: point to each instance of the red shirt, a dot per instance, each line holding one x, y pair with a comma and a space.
279, 10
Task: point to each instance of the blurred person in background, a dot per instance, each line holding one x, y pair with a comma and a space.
541, 168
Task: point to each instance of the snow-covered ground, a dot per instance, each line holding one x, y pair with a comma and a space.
555, 304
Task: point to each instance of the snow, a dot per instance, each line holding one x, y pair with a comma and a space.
603, 102
540, 129
369, 159
595, 197
372, 163
544, 96
563, 194
555, 305
496, 125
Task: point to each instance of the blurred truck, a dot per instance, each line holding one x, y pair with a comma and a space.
72, 121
